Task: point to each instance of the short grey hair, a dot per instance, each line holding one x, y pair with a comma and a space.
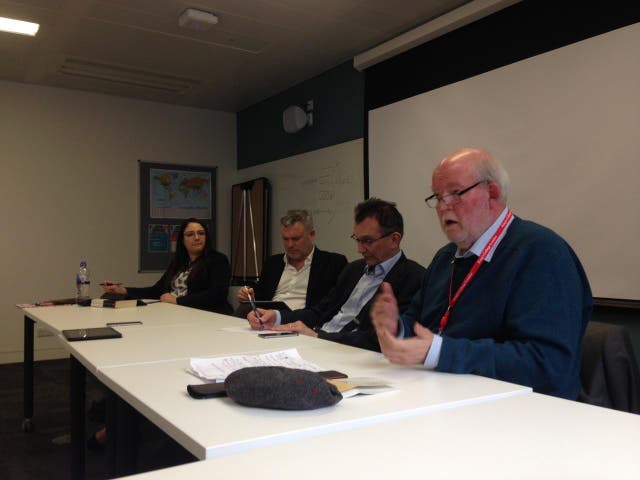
488, 168
295, 216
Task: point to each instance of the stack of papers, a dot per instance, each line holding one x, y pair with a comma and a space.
217, 369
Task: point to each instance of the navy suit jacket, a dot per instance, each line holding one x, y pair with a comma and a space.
325, 268
405, 278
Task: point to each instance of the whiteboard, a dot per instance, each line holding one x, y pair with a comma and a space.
566, 125
328, 182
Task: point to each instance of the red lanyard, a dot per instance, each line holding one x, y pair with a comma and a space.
473, 271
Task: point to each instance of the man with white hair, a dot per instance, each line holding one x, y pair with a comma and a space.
506, 299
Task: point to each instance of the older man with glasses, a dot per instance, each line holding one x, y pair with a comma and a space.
506, 299
343, 315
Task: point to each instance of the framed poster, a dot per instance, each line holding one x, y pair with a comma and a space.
169, 194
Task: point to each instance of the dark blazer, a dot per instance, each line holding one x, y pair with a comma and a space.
405, 278
325, 268
207, 291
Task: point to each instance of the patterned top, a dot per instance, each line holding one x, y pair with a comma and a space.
179, 284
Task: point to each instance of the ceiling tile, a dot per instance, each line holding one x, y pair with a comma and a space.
258, 48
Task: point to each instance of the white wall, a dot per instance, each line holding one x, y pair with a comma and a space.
69, 189
565, 124
328, 182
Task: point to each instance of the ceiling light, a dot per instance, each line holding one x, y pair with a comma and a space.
18, 26
123, 75
197, 19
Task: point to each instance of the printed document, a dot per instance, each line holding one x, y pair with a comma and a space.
217, 369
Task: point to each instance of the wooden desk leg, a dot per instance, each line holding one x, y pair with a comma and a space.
27, 389
77, 379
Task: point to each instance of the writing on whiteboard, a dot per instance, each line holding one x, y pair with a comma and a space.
320, 191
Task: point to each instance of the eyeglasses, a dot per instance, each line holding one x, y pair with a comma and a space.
193, 233
366, 241
452, 198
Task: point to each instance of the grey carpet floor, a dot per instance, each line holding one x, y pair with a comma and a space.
44, 453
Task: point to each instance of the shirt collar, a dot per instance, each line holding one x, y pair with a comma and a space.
384, 267
307, 261
480, 243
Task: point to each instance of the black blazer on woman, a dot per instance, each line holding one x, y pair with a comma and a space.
208, 290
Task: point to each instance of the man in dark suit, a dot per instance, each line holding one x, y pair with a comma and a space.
343, 315
302, 275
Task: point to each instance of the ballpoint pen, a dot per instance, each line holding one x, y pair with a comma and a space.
255, 309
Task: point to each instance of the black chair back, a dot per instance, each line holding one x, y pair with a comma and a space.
609, 375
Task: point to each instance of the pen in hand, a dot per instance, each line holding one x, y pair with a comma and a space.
255, 309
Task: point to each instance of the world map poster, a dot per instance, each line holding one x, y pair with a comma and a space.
179, 194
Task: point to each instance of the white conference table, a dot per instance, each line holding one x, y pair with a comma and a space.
64, 317
154, 343
147, 369
215, 427
522, 436
159, 322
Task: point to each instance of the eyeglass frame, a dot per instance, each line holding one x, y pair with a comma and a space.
367, 242
194, 233
456, 195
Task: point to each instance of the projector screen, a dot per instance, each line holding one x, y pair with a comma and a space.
566, 125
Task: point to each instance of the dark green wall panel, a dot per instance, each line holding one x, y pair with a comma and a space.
338, 116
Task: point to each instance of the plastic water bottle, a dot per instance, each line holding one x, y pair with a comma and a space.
82, 283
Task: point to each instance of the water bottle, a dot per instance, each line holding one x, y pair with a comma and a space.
82, 283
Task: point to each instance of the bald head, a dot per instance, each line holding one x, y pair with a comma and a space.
478, 162
471, 188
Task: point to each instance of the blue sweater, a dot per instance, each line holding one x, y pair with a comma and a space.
521, 319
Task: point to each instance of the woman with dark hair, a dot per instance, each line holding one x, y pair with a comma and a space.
198, 276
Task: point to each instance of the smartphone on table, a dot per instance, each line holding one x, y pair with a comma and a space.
277, 334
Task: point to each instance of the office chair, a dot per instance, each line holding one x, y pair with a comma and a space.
609, 375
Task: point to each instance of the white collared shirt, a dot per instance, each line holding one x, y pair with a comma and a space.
481, 242
292, 288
